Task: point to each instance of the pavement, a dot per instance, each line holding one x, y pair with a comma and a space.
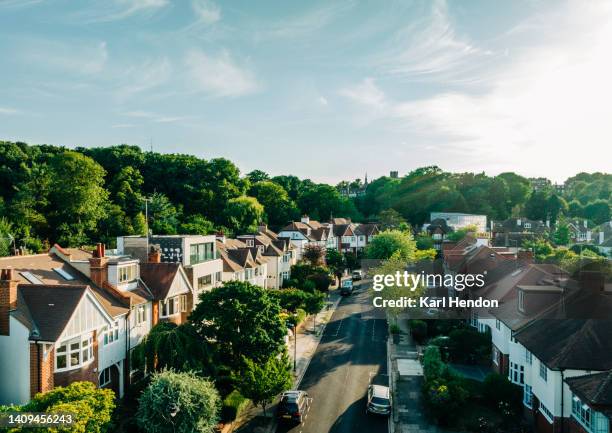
406, 384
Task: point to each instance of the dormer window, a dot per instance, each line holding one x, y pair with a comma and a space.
127, 273
521, 301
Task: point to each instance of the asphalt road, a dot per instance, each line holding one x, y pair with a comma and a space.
353, 349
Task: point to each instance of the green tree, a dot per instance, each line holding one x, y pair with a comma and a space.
261, 382
424, 242
389, 242
257, 176
390, 219
6, 237
77, 196
243, 214
163, 216
242, 320
279, 208
178, 403
562, 234
335, 262
314, 254
171, 346
92, 406
196, 225
597, 211
314, 303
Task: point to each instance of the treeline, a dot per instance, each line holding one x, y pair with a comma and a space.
430, 189
51, 194
76, 197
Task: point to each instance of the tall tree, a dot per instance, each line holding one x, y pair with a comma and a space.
386, 244
279, 208
261, 382
243, 320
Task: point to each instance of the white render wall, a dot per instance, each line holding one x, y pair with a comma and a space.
15, 365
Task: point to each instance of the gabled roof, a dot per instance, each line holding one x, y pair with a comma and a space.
368, 229
575, 334
343, 230
159, 277
594, 389
50, 307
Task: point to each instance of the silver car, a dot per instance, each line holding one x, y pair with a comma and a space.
379, 400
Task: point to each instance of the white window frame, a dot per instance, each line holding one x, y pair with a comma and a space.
183, 303
105, 377
165, 305
497, 324
127, 273
516, 373
141, 314
85, 347
546, 412
543, 372
111, 335
528, 357
528, 396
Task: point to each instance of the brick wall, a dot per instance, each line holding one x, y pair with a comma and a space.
41, 369
88, 372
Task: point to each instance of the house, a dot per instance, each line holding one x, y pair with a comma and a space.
438, 230
591, 399
602, 238
309, 232
280, 252
173, 295
458, 220
365, 233
61, 323
580, 232
514, 231
197, 254
242, 262
573, 339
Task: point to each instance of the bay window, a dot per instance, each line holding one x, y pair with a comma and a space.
74, 353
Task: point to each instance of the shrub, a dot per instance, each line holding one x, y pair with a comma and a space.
232, 406
502, 394
92, 406
467, 345
445, 397
418, 329
433, 367
178, 402
394, 329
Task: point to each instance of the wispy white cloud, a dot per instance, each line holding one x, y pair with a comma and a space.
153, 117
207, 12
219, 75
431, 49
9, 111
552, 94
142, 76
114, 10
69, 57
18, 3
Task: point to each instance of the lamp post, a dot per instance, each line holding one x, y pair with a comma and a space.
295, 342
147, 200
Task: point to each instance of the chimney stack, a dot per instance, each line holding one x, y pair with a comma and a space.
525, 257
154, 254
220, 236
8, 299
262, 227
98, 266
305, 219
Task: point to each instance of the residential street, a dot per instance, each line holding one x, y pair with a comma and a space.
352, 350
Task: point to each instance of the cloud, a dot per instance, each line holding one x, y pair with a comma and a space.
206, 11
143, 76
18, 3
430, 49
123, 125
71, 57
219, 75
114, 10
323, 101
153, 117
9, 111
545, 108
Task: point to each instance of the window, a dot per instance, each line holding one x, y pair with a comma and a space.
31, 277
65, 275
141, 314
516, 373
250, 242
111, 334
496, 355
286, 258
591, 420
527, 225
105, 377
127, 273
528, 357
547, 413
497, 324
521, 301
183, 302
543, 371
218, 277
527, 396
74, 353
170, 307
249, 273
204, 281
199, 253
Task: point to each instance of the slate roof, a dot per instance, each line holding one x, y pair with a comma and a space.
159, 277
594, 389
368, 229
50, 307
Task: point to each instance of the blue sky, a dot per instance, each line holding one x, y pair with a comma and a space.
324, 90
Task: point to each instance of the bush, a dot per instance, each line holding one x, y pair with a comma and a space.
443, 326
394, 329
92, 406
178, 402
418, 329
433, 367
445, 397
502, 394
232, 406
467, 345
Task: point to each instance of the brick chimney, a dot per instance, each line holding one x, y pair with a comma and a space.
98, 270
154, 254
262, 227
220, 236
525, 257
8, 299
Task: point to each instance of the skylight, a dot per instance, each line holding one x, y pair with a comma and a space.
64, 274
31, 278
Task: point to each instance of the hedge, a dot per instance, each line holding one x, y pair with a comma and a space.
232, 406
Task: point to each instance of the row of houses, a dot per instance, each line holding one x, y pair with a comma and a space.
339, 234
551, 335
72, 314
513, 232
